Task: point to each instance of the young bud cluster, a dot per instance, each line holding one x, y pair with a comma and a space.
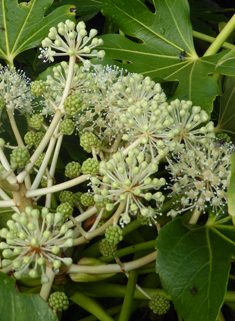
69, 39
35, 239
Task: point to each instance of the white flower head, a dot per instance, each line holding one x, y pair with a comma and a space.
202, 176
15, 90
128, 179
69, 39
34, 240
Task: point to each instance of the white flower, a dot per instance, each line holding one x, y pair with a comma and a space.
202, 176
128, 179
71, 41
15, 90
34, 240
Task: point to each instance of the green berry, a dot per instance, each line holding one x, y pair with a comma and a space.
59, 301
77, 197
159, 304
143, 219
87, 199
39, 137
67, 197
73, 104
40, 159
107, 248
67, 127
223, 136
89, 140
30, 138
44, 182
20, 157
65, 209
38, 87
2, 104
73, 169
36, 121
90, 166
114, 234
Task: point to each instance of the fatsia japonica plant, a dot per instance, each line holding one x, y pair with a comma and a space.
117, 174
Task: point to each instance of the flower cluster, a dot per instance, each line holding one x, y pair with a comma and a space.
71, 40
34, 240
201, 176
127, 179
15, 90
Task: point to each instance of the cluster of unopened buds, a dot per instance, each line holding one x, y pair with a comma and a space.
34, 239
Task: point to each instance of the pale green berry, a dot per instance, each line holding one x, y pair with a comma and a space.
89, 140
87, 199
73, 169
58, 301
90, 166
20, 156
67, 126
107, 248
38, 87
73, 104
114, 234
36, 121
159, 304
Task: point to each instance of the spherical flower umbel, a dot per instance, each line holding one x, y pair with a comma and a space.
71, 40
201, 177
15, 90
33, 241
127, 179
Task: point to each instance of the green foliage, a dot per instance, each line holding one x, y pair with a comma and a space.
157, 40
194, 265
24, 25
18, 306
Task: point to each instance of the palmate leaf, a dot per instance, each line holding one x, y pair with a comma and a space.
23, 25
161, 37
194, 266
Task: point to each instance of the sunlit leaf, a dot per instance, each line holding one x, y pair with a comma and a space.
23, 25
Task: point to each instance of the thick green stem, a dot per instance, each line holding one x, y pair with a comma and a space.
220, 39
129, 296
109, 290
202, 36
91, 306
110, 311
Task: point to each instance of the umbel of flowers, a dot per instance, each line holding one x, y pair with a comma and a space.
33, 240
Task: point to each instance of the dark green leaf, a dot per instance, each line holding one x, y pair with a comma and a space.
24, 25
194, 267
226, 122
82, 7
157, 40
231, 188
15, 306
226, 65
